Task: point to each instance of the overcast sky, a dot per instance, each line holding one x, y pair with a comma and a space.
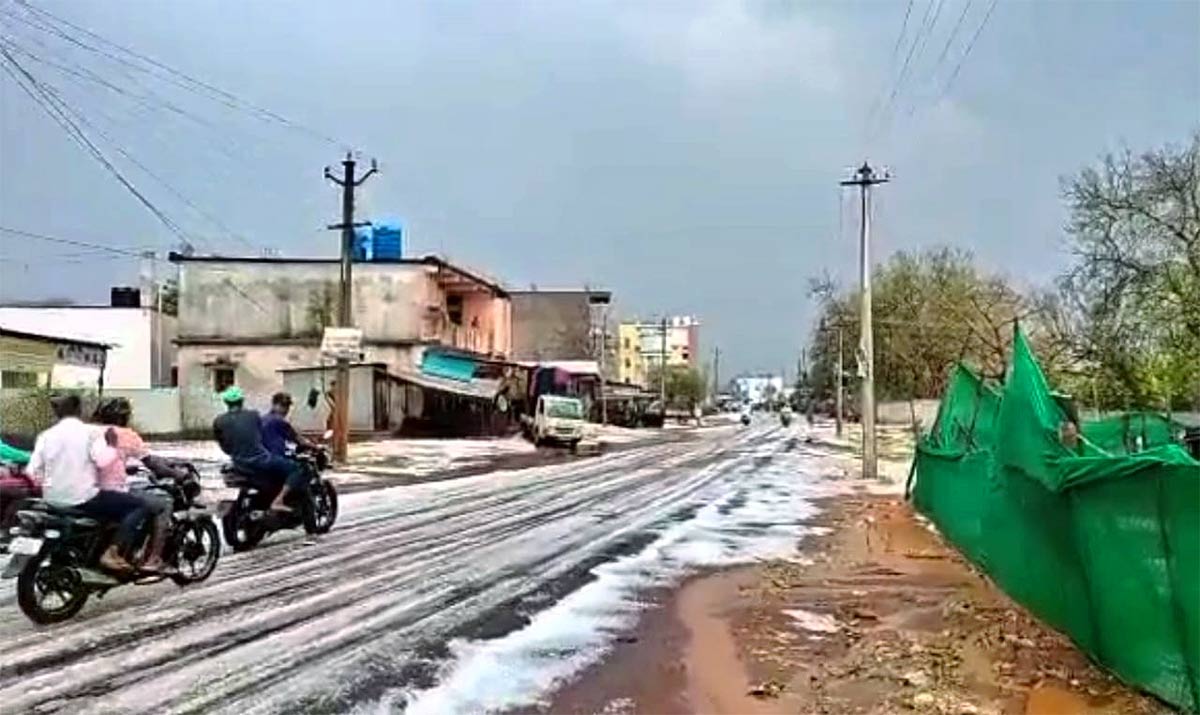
684, 154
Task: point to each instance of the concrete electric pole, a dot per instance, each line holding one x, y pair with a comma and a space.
341, 395
864, 178
662, 371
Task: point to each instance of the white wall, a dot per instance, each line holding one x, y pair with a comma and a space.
899, 412
256, 371
155, 411
130, 331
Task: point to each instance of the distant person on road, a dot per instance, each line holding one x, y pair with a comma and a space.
277, 431
240, 435
67, 460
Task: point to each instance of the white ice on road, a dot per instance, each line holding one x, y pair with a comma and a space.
401, 604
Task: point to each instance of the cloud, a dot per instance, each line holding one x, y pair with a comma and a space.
724, 45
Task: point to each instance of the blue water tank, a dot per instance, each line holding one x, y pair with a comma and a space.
378, 242
388, 244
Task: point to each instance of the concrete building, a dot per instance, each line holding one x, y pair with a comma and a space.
141, 340
757, 389
244, 320
31, 360
640, 347
559, 324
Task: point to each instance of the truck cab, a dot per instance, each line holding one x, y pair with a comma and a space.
558, 420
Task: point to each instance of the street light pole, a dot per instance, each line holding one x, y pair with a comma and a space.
864, 178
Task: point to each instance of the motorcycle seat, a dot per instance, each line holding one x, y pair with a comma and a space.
80, 518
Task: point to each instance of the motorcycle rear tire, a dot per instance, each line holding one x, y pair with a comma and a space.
251, 534
28, 601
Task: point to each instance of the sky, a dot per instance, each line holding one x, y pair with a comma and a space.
685, 155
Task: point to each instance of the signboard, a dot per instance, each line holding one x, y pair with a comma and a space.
342, 343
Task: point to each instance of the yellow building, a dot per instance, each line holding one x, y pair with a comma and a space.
640, 346
631, 366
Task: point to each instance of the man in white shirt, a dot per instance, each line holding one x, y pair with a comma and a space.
66, 460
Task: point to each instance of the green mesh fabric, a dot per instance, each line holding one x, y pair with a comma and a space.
1101, 539
1132, 432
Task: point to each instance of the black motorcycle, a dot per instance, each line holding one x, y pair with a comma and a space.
56, 551
248, 519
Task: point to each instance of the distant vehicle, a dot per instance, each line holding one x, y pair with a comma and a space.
785, 415
557, 420
746, 417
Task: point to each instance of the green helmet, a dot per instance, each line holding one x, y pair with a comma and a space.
232, 394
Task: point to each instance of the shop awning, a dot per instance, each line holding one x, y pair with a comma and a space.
478, 388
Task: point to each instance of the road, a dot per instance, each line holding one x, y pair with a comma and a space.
452, 596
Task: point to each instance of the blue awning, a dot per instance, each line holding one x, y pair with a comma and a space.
448, 366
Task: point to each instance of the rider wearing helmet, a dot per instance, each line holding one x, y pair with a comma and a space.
239, 432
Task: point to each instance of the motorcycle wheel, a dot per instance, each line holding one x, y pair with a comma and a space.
322, 511
240, 533
41, 578
197, 548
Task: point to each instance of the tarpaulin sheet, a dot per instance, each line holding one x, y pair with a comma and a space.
1101, 544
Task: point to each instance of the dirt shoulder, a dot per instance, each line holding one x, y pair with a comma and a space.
885, 619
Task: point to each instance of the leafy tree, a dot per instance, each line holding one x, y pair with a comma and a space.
930, 310
1131, 300
686, 386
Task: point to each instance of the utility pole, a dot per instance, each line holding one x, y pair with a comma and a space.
864, 178
341, 395
840, 380
662, 370
603, 357
716, 373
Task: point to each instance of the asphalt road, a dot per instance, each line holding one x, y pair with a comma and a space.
367, 617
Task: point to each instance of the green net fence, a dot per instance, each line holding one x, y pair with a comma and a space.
1099, 536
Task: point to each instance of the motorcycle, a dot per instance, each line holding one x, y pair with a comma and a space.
56, 551
247, 519
746, 419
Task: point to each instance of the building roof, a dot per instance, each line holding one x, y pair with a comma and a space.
594, 295
431, 260
44, 338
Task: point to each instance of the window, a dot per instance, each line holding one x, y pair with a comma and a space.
454, 309
223, 378
174, 376
19, 379
628, 364
626, 343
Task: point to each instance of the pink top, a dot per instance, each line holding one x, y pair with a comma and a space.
112, 472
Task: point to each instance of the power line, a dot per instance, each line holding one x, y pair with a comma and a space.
884, 121
892, 61
45, 100
133, 160
967, 52
133, 252
195, 85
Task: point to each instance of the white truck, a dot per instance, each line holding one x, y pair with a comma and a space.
557, 420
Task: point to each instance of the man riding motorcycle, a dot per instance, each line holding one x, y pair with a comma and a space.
67, 459
239, 433
277, 431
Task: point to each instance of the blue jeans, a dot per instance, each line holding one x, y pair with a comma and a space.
126, 510
276, 471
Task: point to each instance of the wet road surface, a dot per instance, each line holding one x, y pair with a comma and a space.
365, 616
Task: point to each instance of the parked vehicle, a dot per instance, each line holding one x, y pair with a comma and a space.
247, 519
557, 420
56, 551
